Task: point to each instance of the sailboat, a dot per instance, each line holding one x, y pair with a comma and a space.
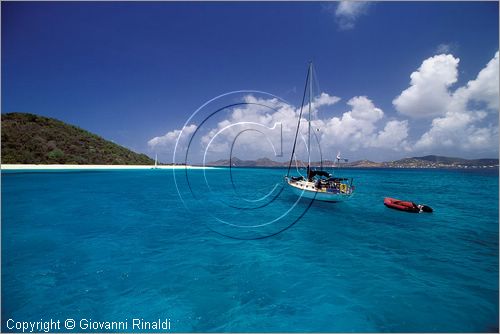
318, 184
156, 161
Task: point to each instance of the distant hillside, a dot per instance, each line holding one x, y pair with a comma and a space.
33, 139
236, 162
430, 161
436, 161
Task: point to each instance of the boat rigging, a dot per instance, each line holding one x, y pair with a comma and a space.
318, 184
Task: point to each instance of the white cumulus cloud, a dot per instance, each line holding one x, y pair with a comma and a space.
428, 94
360, 127
168, 140
461, 119
325, 99
393, 135
364, 109
347, 13
485, 87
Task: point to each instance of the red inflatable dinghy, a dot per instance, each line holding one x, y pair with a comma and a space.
405, 205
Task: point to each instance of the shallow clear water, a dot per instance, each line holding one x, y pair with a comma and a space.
116, 245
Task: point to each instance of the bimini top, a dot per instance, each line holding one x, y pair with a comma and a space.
313, 173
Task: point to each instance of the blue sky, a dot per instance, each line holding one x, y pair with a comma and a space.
132, 71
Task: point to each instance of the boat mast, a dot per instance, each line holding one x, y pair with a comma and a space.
309, 128
298, 124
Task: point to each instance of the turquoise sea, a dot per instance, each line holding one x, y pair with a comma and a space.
118, 245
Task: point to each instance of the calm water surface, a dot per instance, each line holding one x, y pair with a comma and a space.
116, 245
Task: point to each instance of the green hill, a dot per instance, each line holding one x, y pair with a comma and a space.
33, 139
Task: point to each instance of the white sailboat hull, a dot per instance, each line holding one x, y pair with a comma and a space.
308, 190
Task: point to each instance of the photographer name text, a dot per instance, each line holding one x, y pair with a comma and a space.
56, 325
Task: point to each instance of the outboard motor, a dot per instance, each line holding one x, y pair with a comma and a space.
426, 208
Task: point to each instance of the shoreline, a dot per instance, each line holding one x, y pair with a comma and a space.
170, 167
95, 167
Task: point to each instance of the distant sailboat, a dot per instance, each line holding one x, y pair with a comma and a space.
318, 184
156, 161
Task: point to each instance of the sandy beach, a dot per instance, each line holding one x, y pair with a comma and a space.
94, 167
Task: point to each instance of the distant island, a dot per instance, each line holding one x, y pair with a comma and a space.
428, 161
33, 139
